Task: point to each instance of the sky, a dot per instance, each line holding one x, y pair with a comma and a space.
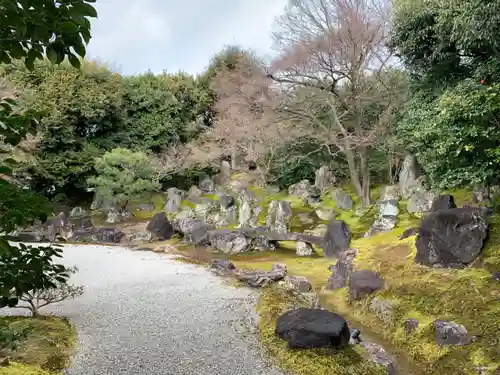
135, 36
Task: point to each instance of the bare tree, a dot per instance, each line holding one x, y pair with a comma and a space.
246, 127
332, 64
34, 300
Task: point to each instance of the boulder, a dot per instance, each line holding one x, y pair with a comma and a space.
204, 208
420, 200
298, 283
304, 249
263, 243
108, 235
228, 241
443, 202
306, 328
387, 218
451, 333
342, 199
341, 271
207, 185
160, 227
319, 231
141, 237
451, 238
409, 232
363, 283
83, 234
324, 178
58, 226
337, 239
260, 278
246, 208
194, 194
278, 216
222, 266
303, 189
226, 201
77, 212
325, 214
174, 200
409, 176
194, 231
116, 215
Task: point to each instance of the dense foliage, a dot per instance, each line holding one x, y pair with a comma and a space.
123, 174
451, 51
28, 29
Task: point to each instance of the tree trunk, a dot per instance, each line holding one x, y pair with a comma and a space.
365, 176
233, 158
354, 174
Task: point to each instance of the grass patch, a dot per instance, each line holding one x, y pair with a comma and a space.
348, 361
20, 369
158, 202
49, 346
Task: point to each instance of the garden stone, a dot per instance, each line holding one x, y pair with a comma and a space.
379, 356
160, 227
342, 199
298, 283
306, 328
451, 333
77, 212
443, 202
278, 216
324, 178
304, 249
362, 283
341, 271
325, 214
337, 239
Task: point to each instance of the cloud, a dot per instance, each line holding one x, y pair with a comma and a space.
177, 35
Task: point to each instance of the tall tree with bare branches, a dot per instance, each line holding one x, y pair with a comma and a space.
333, 64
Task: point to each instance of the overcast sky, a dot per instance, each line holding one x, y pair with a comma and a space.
139, 35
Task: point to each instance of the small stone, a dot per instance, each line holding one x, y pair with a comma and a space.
384, 309
379, 355
299, 283
410, 325
362, 283
304, 249
451, 333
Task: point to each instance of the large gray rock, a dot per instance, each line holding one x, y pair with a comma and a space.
78, 212
390, 192
342, 199
337, 239
246, 206
409, 176
260, 278
306, 328
451, 333
451, 238
387, 218
325, 213
298, 283
304, 249
341, 271
108, 235
443, 202
278, 216
160, 227
228, 241
195, 231
58, 226
174, 200
194, 194
207, 185
303, 189
324, 178
420, 200
363, 283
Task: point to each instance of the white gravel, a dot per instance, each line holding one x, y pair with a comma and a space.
146, 314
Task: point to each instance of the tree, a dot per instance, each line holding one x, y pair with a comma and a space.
35, 299
333, 65
162, 110
25, 30
451, 51
123, 174
81, 114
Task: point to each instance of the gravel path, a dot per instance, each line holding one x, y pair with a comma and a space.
146, 314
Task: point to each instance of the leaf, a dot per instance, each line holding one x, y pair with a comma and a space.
74, 60
69, 27
84, 10
51, 53
79, 49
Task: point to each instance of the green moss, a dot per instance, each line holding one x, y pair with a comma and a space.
21, 369
212, 197
157, 200
348, 361
49, 346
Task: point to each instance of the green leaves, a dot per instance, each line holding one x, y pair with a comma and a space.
25, 30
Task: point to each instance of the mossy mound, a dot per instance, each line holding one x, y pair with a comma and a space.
469, 297
49, 346
348, 361
20, 369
